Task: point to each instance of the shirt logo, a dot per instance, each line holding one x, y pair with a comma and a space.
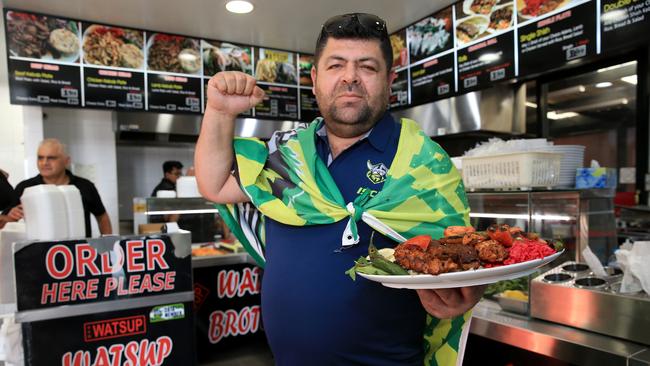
376, 172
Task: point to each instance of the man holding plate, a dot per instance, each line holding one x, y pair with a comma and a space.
321, 190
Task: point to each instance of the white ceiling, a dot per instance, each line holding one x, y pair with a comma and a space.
285, 24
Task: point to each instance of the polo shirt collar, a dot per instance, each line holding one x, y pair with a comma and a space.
378, 136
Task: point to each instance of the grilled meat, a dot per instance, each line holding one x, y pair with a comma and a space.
473, 238
437, 258
491, 251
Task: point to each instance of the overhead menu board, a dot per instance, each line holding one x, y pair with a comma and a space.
546, 43
623, 21
65, 62
433, 79
467, 46
486, 62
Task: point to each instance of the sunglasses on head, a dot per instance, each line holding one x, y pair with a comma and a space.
369, 22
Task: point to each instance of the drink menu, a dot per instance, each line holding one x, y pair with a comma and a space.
467, 46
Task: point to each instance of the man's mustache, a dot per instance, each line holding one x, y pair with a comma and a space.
350, 88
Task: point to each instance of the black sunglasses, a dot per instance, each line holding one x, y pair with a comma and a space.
371, 23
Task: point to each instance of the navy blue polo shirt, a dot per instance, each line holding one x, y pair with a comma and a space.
313, 313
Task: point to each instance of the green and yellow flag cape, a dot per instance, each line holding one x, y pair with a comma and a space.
422, 194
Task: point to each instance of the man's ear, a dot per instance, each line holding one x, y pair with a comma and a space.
392, 75
313, 79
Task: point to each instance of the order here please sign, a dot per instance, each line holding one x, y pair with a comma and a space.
73, 272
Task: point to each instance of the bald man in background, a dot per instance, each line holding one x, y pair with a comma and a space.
52, 163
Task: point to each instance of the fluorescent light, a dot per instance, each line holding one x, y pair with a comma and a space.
182, 212
521, 216
531, 105
631, 79
596, 106
239, 6
555, 115
604, 84
617, 66
567, 91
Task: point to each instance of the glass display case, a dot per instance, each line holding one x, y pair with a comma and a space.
577, 217
197, 215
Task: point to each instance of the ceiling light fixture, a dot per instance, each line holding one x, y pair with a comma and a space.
562, 115
617, 66
239, 6
604, 84
531, 105
631, 79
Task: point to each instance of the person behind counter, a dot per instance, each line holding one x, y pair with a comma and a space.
171, 171
313, 314
52, 160
8, 197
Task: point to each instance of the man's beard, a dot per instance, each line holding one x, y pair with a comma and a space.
348, 121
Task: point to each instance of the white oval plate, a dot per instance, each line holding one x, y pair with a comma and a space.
481, 276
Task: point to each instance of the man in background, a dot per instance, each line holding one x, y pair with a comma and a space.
171, 171
8, 197
52, 163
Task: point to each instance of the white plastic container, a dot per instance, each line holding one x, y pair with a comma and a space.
46, 216
75, 210
187, 187
166, 194
12, 232
513, 170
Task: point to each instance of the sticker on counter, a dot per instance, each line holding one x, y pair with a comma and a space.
115, 328
167, 312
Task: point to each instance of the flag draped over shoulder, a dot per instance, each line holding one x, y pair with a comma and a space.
422, 194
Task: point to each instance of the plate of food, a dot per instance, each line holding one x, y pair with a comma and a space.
483, 7
501, 18
172, 53
225, 57
471, 28
463, 257
113, 46
41, 37
529, 9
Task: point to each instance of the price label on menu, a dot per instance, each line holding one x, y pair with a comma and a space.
282, 102
486, 62
553, 41
169, 93
45, 84
623, 22
433, 79
308, 106
113, 89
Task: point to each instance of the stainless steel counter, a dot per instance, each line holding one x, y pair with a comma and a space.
222, 260
557, 341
